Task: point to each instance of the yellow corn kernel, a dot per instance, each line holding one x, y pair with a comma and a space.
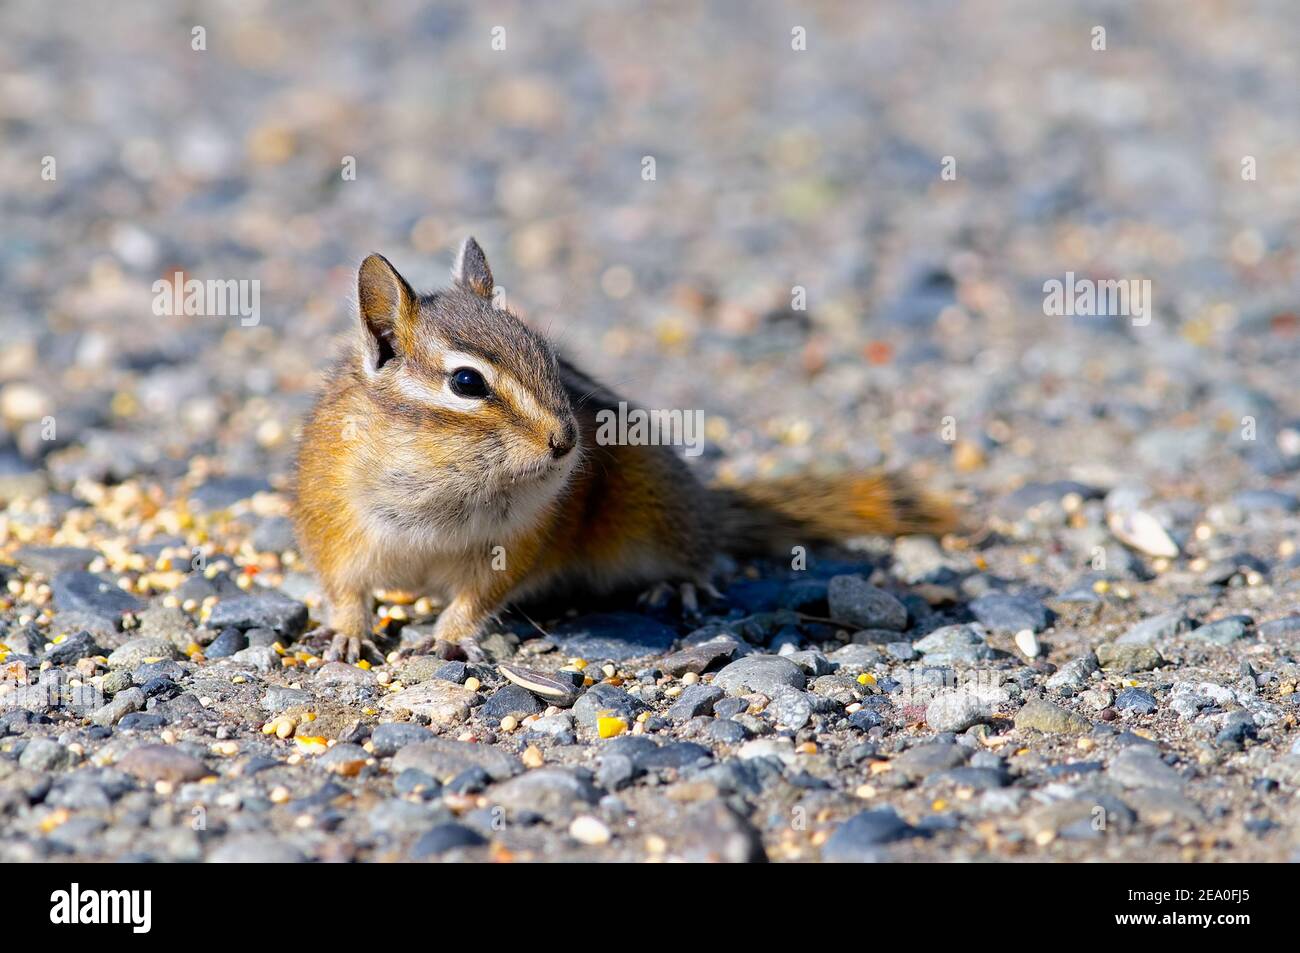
55, 819
609, 727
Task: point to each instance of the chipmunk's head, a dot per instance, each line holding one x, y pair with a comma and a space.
471, 397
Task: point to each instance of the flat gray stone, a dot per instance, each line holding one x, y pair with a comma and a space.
954, 643
549, 791
78, 591
1163, 626
123, 704
43, 754
1141, 766
267, 609
923, 760
255, 849
859, 838
790, 708
162, 763
1038, 714
760, 673
694, 701
855, 602
1127, 658
956, 711
443, 704
137, 651
444, 758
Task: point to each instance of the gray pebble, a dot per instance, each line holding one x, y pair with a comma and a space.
1001, 612
43, 754
267, 609
1136, 700
548, 791
759, 673
695, 700
600, 699
855, 602
388, 738
859, 838
955, 711
954, 643
124, 702
78, 591
1223, 631
1154, 629
790, 708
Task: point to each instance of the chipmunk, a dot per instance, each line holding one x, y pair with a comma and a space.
453, 451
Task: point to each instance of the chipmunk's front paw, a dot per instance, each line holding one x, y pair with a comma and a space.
350, 649
342, 646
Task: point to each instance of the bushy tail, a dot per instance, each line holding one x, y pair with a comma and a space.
766, 515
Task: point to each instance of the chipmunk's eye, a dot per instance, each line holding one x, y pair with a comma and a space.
467, 382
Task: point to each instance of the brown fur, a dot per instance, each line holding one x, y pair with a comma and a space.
402, 485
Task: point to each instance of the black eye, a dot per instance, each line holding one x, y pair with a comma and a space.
467, 382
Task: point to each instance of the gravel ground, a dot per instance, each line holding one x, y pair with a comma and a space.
1102, 666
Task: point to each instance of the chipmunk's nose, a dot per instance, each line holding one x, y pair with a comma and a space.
561, 442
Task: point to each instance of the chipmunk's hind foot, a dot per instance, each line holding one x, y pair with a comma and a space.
463, 650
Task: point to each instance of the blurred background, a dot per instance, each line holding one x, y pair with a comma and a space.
775, 168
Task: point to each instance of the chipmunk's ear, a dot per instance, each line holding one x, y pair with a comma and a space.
388, 311
471, 269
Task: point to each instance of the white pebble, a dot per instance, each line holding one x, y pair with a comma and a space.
1027, 642
1143, 532
589, 830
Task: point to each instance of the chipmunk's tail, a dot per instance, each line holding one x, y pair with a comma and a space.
765, 515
